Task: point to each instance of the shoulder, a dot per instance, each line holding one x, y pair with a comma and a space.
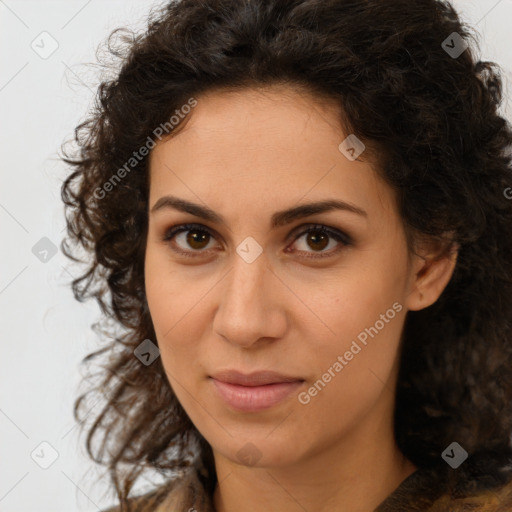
495, 499
433, 491
179, 494
148, 502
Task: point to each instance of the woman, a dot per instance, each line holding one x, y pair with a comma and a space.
298, 213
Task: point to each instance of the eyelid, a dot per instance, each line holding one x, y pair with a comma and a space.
310, 226
340, 236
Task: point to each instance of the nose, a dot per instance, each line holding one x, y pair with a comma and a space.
251, 310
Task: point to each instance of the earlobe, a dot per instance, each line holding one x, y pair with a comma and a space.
430, 277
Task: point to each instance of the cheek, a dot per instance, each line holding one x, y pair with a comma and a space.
352, 369
168, 297
171, 304
352, 300
176, 299
359, 317
170, 292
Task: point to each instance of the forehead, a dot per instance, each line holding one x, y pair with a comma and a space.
263, 146
270, 118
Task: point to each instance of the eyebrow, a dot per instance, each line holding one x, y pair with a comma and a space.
278, 219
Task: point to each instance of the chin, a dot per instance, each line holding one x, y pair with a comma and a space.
259, 451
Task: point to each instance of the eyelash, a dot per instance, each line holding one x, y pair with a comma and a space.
339, 236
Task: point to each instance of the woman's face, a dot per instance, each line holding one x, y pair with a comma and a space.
250, 290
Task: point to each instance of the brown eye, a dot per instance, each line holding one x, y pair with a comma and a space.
194, 240
197, 239
189, 238
318, 238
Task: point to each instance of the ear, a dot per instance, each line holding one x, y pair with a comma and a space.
431, 270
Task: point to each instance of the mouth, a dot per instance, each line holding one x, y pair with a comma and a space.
256, 391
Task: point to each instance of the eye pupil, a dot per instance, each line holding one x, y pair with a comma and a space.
319, 237
197, 237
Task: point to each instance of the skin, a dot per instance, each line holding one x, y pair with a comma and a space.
246, 155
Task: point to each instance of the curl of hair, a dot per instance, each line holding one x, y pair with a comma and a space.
440, 142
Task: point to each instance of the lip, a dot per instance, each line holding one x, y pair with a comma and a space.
260, 378
255, 391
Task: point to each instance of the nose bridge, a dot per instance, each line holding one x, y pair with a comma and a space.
246, 282
243, 313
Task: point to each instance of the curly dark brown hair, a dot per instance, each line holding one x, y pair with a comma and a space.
433, 120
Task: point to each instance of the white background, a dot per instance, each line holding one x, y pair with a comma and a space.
45, 332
